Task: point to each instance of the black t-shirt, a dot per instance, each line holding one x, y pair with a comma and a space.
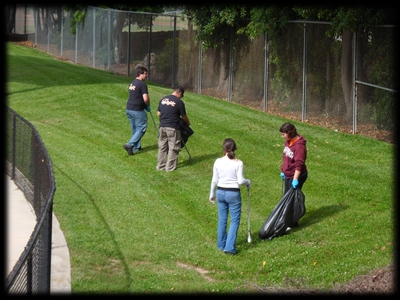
136, 90
171, 109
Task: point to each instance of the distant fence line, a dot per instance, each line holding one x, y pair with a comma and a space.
302, 74
29, 166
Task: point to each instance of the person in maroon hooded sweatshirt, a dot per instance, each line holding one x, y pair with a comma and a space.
293, 169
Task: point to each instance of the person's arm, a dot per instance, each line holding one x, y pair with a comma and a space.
146, 99
158, 113
296, 175
186, 119
240, 177
214, 183
299, 158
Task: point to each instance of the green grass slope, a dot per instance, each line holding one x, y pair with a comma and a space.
132, 229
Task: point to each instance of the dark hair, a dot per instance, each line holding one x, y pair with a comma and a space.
229, 146
140, 70
290, 129
179, 89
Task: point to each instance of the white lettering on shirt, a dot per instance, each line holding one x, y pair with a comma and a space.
288, 152
166, 101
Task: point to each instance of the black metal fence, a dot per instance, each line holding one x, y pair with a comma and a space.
347, 83
29, 166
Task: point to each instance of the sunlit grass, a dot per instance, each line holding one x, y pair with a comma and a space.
131, 229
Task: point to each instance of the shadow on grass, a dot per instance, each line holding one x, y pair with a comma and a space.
104, 223
318, 215
190, 160
308, 219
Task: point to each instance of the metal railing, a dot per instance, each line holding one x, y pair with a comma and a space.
29, 166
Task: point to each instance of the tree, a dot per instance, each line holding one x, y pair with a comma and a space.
345, 20
9, 17
117, 21
214, 23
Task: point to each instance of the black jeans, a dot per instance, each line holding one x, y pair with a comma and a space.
288, 182
288, 185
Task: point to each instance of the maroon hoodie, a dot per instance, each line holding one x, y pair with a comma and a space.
294, 157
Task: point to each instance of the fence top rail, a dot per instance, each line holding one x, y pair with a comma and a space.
328, 23
137, 12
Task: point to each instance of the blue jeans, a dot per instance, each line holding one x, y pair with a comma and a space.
138, 121
228, 202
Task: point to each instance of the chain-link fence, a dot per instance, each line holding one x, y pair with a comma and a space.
29, 166
347, 83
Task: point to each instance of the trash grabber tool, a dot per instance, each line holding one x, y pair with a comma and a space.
248, 216
155, 127
184, 145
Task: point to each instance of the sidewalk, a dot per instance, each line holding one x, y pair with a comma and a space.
21, 221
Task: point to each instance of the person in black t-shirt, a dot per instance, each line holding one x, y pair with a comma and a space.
136, 106
170, 109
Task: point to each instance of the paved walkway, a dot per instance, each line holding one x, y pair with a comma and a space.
21, 221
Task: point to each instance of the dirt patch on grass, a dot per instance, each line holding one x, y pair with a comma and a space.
201, 271
377, 282
381, 281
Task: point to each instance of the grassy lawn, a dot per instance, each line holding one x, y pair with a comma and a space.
132, 229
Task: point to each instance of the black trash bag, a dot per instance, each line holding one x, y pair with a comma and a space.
288, 210
186, 132
299, 207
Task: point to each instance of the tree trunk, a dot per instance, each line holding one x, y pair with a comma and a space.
117, 37
346, 79
9, 17
224, 69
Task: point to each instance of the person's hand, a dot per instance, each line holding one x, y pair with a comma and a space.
248, 185
212, 200
282, 175
295, 183
148, 108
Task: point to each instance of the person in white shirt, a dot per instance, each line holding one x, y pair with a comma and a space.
225, 189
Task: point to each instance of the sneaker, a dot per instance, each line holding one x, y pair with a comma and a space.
135, 150
230, 253
294, 225
128, 149
159, 169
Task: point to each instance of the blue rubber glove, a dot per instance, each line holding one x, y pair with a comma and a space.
148, 108
295, 183
282, 175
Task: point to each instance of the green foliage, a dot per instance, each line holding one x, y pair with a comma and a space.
131, 229
79, 12
379, 64
347, 17
104, 55
384, 110
78, 15
165, 57
267, 19
286, 83
216, 23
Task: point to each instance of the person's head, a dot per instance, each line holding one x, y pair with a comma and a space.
179, 91
141, 73
288, 131
229, 146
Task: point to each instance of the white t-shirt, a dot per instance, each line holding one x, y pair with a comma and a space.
227, 173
